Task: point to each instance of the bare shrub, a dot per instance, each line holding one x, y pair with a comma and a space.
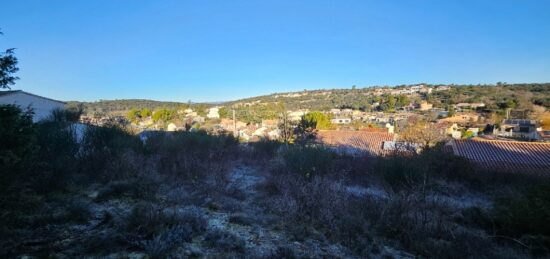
146, 220
309, 161
78, 210
265, 149
192, 157
224, 241
241, 219
163, 243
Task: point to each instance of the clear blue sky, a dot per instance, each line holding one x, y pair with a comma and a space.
223, 50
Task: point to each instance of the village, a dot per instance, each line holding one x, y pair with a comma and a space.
469, 131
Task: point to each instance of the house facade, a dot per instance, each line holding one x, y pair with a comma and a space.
41, 106
519, 128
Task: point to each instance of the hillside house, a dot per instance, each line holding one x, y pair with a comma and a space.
466, 106
544, 135
462, 119
229, 125
297, 115
443, 88
213, 113
340, 121
519, 128
425, 106
270, 123
41, 106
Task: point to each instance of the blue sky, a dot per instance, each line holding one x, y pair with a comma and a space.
224, 50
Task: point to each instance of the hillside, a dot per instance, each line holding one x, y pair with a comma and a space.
524, 95
520, 96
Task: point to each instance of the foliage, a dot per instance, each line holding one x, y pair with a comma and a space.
16, 136
17, 149
164, 115
145, 112
315, 120
8, 67
421, 133
133, 115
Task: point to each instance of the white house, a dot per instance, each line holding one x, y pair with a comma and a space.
41, 106
340, 121
171, 127
213, 113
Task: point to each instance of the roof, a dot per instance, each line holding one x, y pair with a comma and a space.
510, 156
2, 93
9, 92
369, 142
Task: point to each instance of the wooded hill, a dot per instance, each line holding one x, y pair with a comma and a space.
499, 96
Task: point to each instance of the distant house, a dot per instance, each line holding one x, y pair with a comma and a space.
41, 106
198, 119
296, 115
505, 156
443, 88
259, 132
519, 128
274, 134
451, 129
229, 125
340, 121
544, 135
425, 106
461, 119
335, 111
356, 142
463, 106
171, 127
474, 131
270, 123
213, 113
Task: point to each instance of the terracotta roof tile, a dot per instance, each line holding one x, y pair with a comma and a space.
369, 142
529, 157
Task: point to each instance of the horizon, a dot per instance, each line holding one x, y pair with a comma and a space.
319, 89
220, 52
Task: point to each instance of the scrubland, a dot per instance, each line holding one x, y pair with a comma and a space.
105, 193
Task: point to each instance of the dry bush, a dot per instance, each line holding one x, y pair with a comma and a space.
192, 157
224, 241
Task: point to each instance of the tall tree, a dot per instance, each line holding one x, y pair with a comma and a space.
8, 67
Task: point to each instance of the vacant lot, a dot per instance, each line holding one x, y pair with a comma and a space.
196, 195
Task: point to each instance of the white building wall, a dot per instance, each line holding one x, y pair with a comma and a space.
42, 107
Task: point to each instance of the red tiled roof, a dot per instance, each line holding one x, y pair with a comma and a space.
511, 156
370, 142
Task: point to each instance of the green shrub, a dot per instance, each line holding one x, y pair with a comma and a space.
17, 144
